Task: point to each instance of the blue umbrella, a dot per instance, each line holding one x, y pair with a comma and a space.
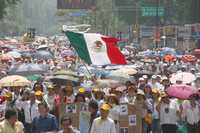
28, 69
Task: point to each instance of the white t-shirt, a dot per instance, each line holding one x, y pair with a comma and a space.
103, 126
170, 116
193, 115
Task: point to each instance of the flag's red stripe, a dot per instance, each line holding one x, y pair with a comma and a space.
114, 54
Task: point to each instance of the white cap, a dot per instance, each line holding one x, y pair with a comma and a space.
145, 76
154, 77
141, 79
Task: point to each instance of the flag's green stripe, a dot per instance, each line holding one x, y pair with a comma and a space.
78, 42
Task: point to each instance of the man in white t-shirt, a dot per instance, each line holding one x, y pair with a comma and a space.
103, 124
169, 114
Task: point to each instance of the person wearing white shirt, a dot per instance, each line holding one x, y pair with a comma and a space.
192, 115
169, 114
30, 108
103, 124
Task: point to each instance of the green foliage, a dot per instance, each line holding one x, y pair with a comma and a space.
4, 4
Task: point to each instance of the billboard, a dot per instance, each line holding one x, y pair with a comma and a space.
76, 4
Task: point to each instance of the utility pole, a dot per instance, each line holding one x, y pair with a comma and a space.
157, 24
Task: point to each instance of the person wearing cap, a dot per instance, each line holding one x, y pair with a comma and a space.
169, 113
131, 95
98, 96
114, 114
11, 124
49, 98
30, 108
93, 108
155, 115
192, 114
103, 124
39, 95
141, 83
142, 108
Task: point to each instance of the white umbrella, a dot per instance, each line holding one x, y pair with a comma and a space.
185, 77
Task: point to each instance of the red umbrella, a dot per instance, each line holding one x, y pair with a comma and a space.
189, 58
169, 58
196, 52
181, 91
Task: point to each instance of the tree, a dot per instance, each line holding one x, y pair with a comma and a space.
4, 4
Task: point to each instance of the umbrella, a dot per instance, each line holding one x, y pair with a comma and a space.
189, 58
42, 47
196, 52
14, 80
63, 79
181, 91
103, 83
167, 50
34, 77
185, 77
14, 54
124, 71
119, 77
169, 58
67, 53
45, 55
28, 69
26, 54
64, 72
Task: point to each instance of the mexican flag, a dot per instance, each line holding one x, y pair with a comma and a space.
95, 48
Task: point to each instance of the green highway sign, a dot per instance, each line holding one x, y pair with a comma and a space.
151, 11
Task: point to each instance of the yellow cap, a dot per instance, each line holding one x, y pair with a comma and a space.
81, 90
105, 107
155, 91
163, 94
8, 94
50, 87
39, 93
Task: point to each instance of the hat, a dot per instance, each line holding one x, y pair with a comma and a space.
120, 88
8, 94
155, 91
81, 90
141, 79
164, 78
145, 76
39, 93
105, 107
50, 87
163, 94
140, 92
154, 77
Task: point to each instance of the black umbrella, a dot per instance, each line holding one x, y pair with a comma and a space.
45, 55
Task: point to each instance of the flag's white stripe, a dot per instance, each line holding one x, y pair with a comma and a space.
98, 57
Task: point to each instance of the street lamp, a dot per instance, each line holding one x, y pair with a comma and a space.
164, 39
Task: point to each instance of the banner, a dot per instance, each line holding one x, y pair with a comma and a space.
76, 4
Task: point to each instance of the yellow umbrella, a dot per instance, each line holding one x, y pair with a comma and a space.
13, 81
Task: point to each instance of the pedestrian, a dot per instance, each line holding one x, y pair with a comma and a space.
169, 114
103, 124
11, 123
45, 122
192, 115
66, 126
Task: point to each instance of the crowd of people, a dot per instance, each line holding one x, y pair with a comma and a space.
41, 107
